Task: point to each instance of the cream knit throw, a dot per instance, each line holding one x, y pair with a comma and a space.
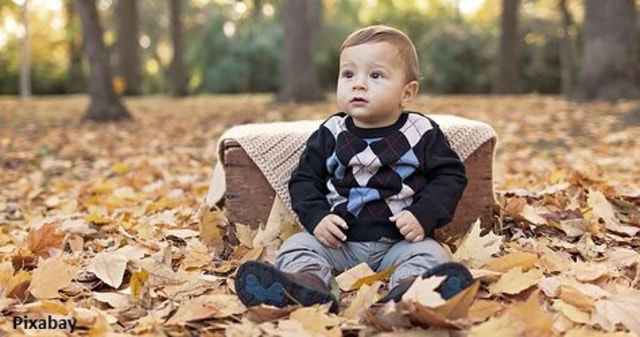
276, 148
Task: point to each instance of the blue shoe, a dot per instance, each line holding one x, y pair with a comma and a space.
457, 278
259, 283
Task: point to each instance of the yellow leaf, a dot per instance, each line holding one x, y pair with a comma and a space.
515, 281
136, 283
475, 250
347, 279
366, 296
371, 279
50, 276
315, 320
516, 259
213, 225
458, 306
574, 314
575, 298
97, 218
120, 167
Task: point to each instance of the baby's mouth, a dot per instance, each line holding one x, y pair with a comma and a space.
358, 99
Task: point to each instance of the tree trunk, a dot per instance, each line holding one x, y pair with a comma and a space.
506, 81
566, 50
75, 80
25, 51
609, 56
177, 70
299, 82
129, 47
105, 104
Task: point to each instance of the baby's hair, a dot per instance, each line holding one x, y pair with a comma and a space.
380, 33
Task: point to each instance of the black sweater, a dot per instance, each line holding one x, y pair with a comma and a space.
365, 175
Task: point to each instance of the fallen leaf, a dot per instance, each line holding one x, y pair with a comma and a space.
44, 238
481, 309
622, 308
315, 320
109, 268
423, 291
516, 281
366, 296
213, 224
573, 313
475, 250
349, 277
516, 259
589, 271
50, 276
245, 234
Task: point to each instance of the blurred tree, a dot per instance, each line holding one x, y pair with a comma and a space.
506, 81
105, 104
178, 84
75, 78
609, 67
25, 53
128, 47
566, 49
298, 71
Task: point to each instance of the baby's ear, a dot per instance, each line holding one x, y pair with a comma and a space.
409, 92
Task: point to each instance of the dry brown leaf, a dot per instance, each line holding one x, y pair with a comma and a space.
621, 308
481, 309
516, 281
50, 276
573, 313
475, 250
366, 296
245, 234
504, 263
198, 256
213, 224
575, 298
44, 238
589, 271
315, 320
109, 268
349, 277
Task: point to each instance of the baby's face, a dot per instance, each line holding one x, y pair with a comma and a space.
372, 85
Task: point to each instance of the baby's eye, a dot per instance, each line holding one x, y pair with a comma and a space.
376, 75
347, 74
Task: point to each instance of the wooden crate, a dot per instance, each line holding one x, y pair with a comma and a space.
249, 197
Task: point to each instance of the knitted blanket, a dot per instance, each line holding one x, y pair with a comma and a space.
275, 148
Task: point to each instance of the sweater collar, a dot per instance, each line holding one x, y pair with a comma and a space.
376, 132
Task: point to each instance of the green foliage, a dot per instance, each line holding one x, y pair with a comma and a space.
456, 58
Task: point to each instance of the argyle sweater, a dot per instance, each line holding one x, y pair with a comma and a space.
365, 175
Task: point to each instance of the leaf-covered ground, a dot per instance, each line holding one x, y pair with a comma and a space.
101, 224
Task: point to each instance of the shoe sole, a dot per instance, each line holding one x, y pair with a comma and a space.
457, 279
258, 283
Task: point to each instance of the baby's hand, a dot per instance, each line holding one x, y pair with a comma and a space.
328, 230
409, 226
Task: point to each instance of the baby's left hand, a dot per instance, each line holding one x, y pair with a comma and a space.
409, 226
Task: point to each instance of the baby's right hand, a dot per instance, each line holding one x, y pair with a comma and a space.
328, 230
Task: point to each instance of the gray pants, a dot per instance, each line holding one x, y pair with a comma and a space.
302, 252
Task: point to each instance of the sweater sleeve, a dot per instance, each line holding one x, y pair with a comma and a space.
308, 184
436, 202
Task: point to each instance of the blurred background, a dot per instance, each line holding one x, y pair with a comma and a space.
290, 47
